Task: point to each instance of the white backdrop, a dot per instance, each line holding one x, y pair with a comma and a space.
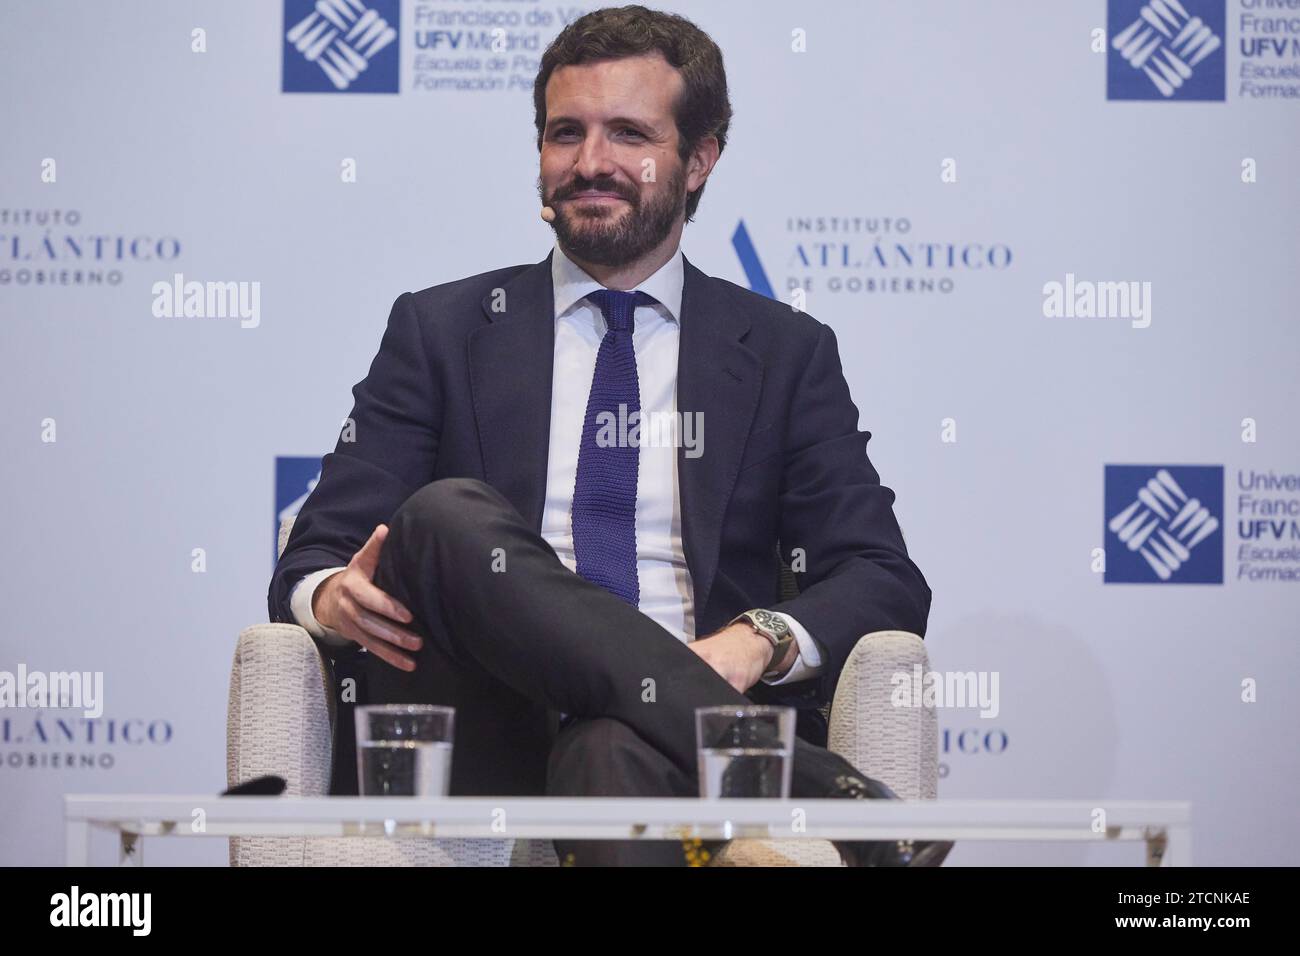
984, 129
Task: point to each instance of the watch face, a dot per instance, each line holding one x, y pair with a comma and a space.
769, 621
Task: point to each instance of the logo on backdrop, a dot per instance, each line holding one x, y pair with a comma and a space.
1164, 524
863, 255
295, 479
341, 46
1165, 50
51, 738
962, 741
51, 247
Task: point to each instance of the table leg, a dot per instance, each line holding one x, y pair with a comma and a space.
1156, 842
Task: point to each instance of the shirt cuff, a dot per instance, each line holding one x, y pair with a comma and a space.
300, 604
808, 663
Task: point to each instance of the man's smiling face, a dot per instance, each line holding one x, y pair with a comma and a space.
610, 128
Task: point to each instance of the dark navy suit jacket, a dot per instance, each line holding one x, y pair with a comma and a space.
460, 390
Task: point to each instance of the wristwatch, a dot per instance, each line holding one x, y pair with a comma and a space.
775, 630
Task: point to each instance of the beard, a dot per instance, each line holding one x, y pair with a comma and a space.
611, 236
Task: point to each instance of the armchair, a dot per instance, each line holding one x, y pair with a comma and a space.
281, 717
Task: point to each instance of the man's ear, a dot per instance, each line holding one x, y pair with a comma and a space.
701, 162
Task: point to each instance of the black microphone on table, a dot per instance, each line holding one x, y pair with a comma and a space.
267, 786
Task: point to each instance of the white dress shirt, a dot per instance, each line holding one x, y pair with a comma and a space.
666, 593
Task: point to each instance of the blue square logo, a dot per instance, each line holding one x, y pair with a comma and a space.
1164, 524
341, 46
295, 479
1165, 50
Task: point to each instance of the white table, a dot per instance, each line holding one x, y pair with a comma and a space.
1164, 827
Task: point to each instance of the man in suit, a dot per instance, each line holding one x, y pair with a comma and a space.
495, 537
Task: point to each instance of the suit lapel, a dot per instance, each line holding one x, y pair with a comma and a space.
510, 364
720, 378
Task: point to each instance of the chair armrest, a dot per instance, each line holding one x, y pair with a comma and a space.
897, 745
280, 716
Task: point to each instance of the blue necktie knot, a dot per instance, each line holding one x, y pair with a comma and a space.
618, 307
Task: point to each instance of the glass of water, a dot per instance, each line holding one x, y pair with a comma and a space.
745, 751
404, 750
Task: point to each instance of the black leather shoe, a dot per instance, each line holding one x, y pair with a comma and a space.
878, 852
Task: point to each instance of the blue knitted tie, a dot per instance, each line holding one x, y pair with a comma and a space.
604, 495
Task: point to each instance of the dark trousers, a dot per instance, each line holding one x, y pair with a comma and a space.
512, 638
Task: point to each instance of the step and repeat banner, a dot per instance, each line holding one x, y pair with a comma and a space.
1057, 244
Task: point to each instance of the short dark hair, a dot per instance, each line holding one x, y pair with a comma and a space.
702, 110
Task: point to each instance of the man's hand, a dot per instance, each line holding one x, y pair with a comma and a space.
349, 603
739, 655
